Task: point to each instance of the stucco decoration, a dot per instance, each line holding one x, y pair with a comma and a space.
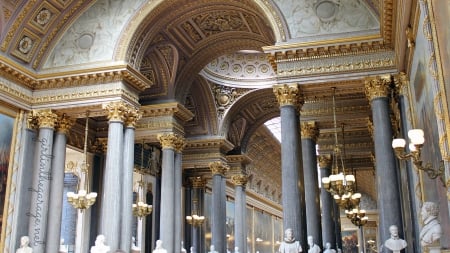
324, 17
91, 38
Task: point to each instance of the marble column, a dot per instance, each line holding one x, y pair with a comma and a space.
111, 211
337, 225
293, 196
218, 215
240, 228
309, 135
167, 219
40, 188
378, 90
197, 196
126, 228
328, 226
62, 126
179, 146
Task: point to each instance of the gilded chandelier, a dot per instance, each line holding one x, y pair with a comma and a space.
357, 216
83, 199
195, 219
339, 184
141, 208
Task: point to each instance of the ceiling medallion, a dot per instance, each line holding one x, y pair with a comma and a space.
25, 45
326, 10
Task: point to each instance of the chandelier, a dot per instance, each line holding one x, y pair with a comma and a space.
195, 219
83, 199
341, 185
357, 216
141, 208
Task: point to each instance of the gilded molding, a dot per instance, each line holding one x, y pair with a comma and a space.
239, 179
218, 168
32, 122
64, 123
309, 130
197, 182
370, 127
167, 109
387, 21
378, 86
116, 111
46, 118
170, 140
288, 94
324, 161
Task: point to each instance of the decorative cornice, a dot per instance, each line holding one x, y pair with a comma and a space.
167, 109
378, 86
209, 144
324, 161
239, 179
387, 18
288, 94
309, 130
218, 168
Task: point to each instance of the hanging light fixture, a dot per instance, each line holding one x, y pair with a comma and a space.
357, 216
194, 219
141, 208
339, 184
83, 199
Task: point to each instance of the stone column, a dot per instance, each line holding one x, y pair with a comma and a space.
62, 126
40, 188
218, 215
337, 225
328, 227
167, 219
198, 194
240, 228
131, 117
388, 193
309, 135
111, 211
179, 146
293, 198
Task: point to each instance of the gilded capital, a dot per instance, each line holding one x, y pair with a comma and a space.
324, 161
131, 117
378, 86
401, 82
288, 94
169, 140
63, 124
180, 144
197, 182
32, 122
218, 167
46, 118
309, 130
100, 145
116, 111
239, 179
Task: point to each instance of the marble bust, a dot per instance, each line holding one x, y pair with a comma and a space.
100, 246
313, 248
212, 249
62, 247
24, 245
289, 244
328, 248
159, 247
431, 231
395, 244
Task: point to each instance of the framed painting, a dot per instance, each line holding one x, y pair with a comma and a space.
350, 241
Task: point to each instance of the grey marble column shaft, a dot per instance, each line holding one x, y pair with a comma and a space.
127, 189
217, 218
57, 191
167, 218
292, 177
328, 224
337, 225
111, 211
40, 190
312, 202
177, 199
389, 208
240, 222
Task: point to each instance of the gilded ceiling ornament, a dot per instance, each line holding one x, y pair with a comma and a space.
288, 94
46, 118
100, 145
239, 179
63, 124
218, 168
216, 22
43, 17
169, 140
324, 161
25, 45
225, 96
116, 111
32, 122
309, 130
378, 86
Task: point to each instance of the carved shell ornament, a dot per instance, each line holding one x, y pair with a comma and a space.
25, 45
225, 96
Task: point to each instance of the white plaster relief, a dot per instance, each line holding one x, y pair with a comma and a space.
320, 17
92, 37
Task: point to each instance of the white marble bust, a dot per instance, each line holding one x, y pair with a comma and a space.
431, 231
328, 248
100, 246
212, 249
24, 245
159, 247
289, 244
395, 244
313, 248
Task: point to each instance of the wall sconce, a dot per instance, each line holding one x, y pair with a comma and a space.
83, 199
417, 139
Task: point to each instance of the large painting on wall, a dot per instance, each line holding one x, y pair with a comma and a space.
350, 241
6, 126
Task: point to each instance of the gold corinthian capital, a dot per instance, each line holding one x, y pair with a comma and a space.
324, 161
218, 168
170, 140
45, 118
63, 124
288, 94
116, 111
309, 130
378, 86
132, 116
239, 179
